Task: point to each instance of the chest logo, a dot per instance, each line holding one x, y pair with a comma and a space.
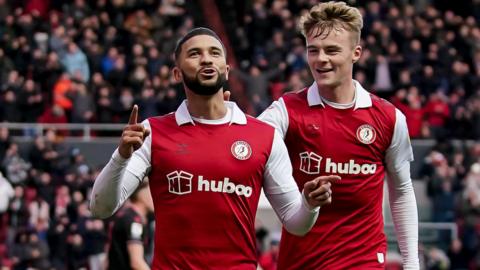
310, 162
241, 150
366, 134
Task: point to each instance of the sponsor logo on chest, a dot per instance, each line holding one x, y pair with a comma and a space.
180, 183
311, 163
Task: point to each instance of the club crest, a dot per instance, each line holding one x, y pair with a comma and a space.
241, 150
366, 134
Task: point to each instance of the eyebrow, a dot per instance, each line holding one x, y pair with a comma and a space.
326, 47
212, 48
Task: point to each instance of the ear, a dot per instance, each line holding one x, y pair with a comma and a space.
227, 71
177, 74
357, 53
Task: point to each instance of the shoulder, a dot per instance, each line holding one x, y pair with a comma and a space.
384, 110
254, 122
162, 119
381, 103
299, 95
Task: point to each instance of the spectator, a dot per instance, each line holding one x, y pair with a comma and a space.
5, 141
256, 82
30, 100
6, 193
75, 62
437, 113
96, 238
82, 103
15, 166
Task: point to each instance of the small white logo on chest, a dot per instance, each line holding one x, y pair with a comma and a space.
366, 134
241, 150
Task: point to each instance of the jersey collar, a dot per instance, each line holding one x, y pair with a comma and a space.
363, 96
182, 116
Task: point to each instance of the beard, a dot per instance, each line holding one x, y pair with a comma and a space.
203, 89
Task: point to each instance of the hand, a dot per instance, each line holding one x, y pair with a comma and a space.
133, 135
318, 191
226, 95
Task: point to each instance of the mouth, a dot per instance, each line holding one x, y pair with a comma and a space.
323, 70
208, 73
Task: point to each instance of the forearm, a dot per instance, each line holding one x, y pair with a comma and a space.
140, 265
405, 216
282, 191
293, 211
112, 187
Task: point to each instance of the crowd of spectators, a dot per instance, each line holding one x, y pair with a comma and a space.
44, 218
85, 61
420, 55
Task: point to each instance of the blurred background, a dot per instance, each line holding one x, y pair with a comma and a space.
71, 70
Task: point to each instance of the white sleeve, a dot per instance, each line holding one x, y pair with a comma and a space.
277, 116
282, 192
119, 179
403, 204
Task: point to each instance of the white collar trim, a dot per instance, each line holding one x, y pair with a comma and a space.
363, 99
182, 115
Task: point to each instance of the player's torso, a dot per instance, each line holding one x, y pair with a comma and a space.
206, 181
350, 143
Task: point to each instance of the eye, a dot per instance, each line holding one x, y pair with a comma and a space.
216, 53
193, 54
332, 51
312, 51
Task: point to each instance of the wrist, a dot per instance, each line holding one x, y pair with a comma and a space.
307, 205
118, 157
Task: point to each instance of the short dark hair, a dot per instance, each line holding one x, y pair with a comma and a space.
197, 32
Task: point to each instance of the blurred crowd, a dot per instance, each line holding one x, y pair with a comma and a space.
451, 172
421, 55
83, 61
44, 218
86, 61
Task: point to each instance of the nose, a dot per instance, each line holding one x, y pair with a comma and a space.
206, 59
322, 56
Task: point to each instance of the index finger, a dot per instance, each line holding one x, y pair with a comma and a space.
133, 116
226, 95
328, 178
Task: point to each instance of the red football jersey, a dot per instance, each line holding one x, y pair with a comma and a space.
352, 143
205, 210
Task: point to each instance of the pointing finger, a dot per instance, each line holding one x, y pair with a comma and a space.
329, 178
133, 116
226, 95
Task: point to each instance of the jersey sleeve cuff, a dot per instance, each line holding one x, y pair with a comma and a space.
307, 206
118, 159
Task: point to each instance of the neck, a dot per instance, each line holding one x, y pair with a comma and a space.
342, 94
206, 107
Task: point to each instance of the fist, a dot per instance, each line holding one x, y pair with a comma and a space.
318, 192
133, 135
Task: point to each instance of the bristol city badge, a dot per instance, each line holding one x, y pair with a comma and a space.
241, 150
366, 134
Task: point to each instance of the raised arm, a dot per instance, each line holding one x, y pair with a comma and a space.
126, 169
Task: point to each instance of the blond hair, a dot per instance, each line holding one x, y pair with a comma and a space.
328, 16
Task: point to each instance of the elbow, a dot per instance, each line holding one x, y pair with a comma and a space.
298, 230
101, 210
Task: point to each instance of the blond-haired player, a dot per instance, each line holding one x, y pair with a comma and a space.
336, 126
